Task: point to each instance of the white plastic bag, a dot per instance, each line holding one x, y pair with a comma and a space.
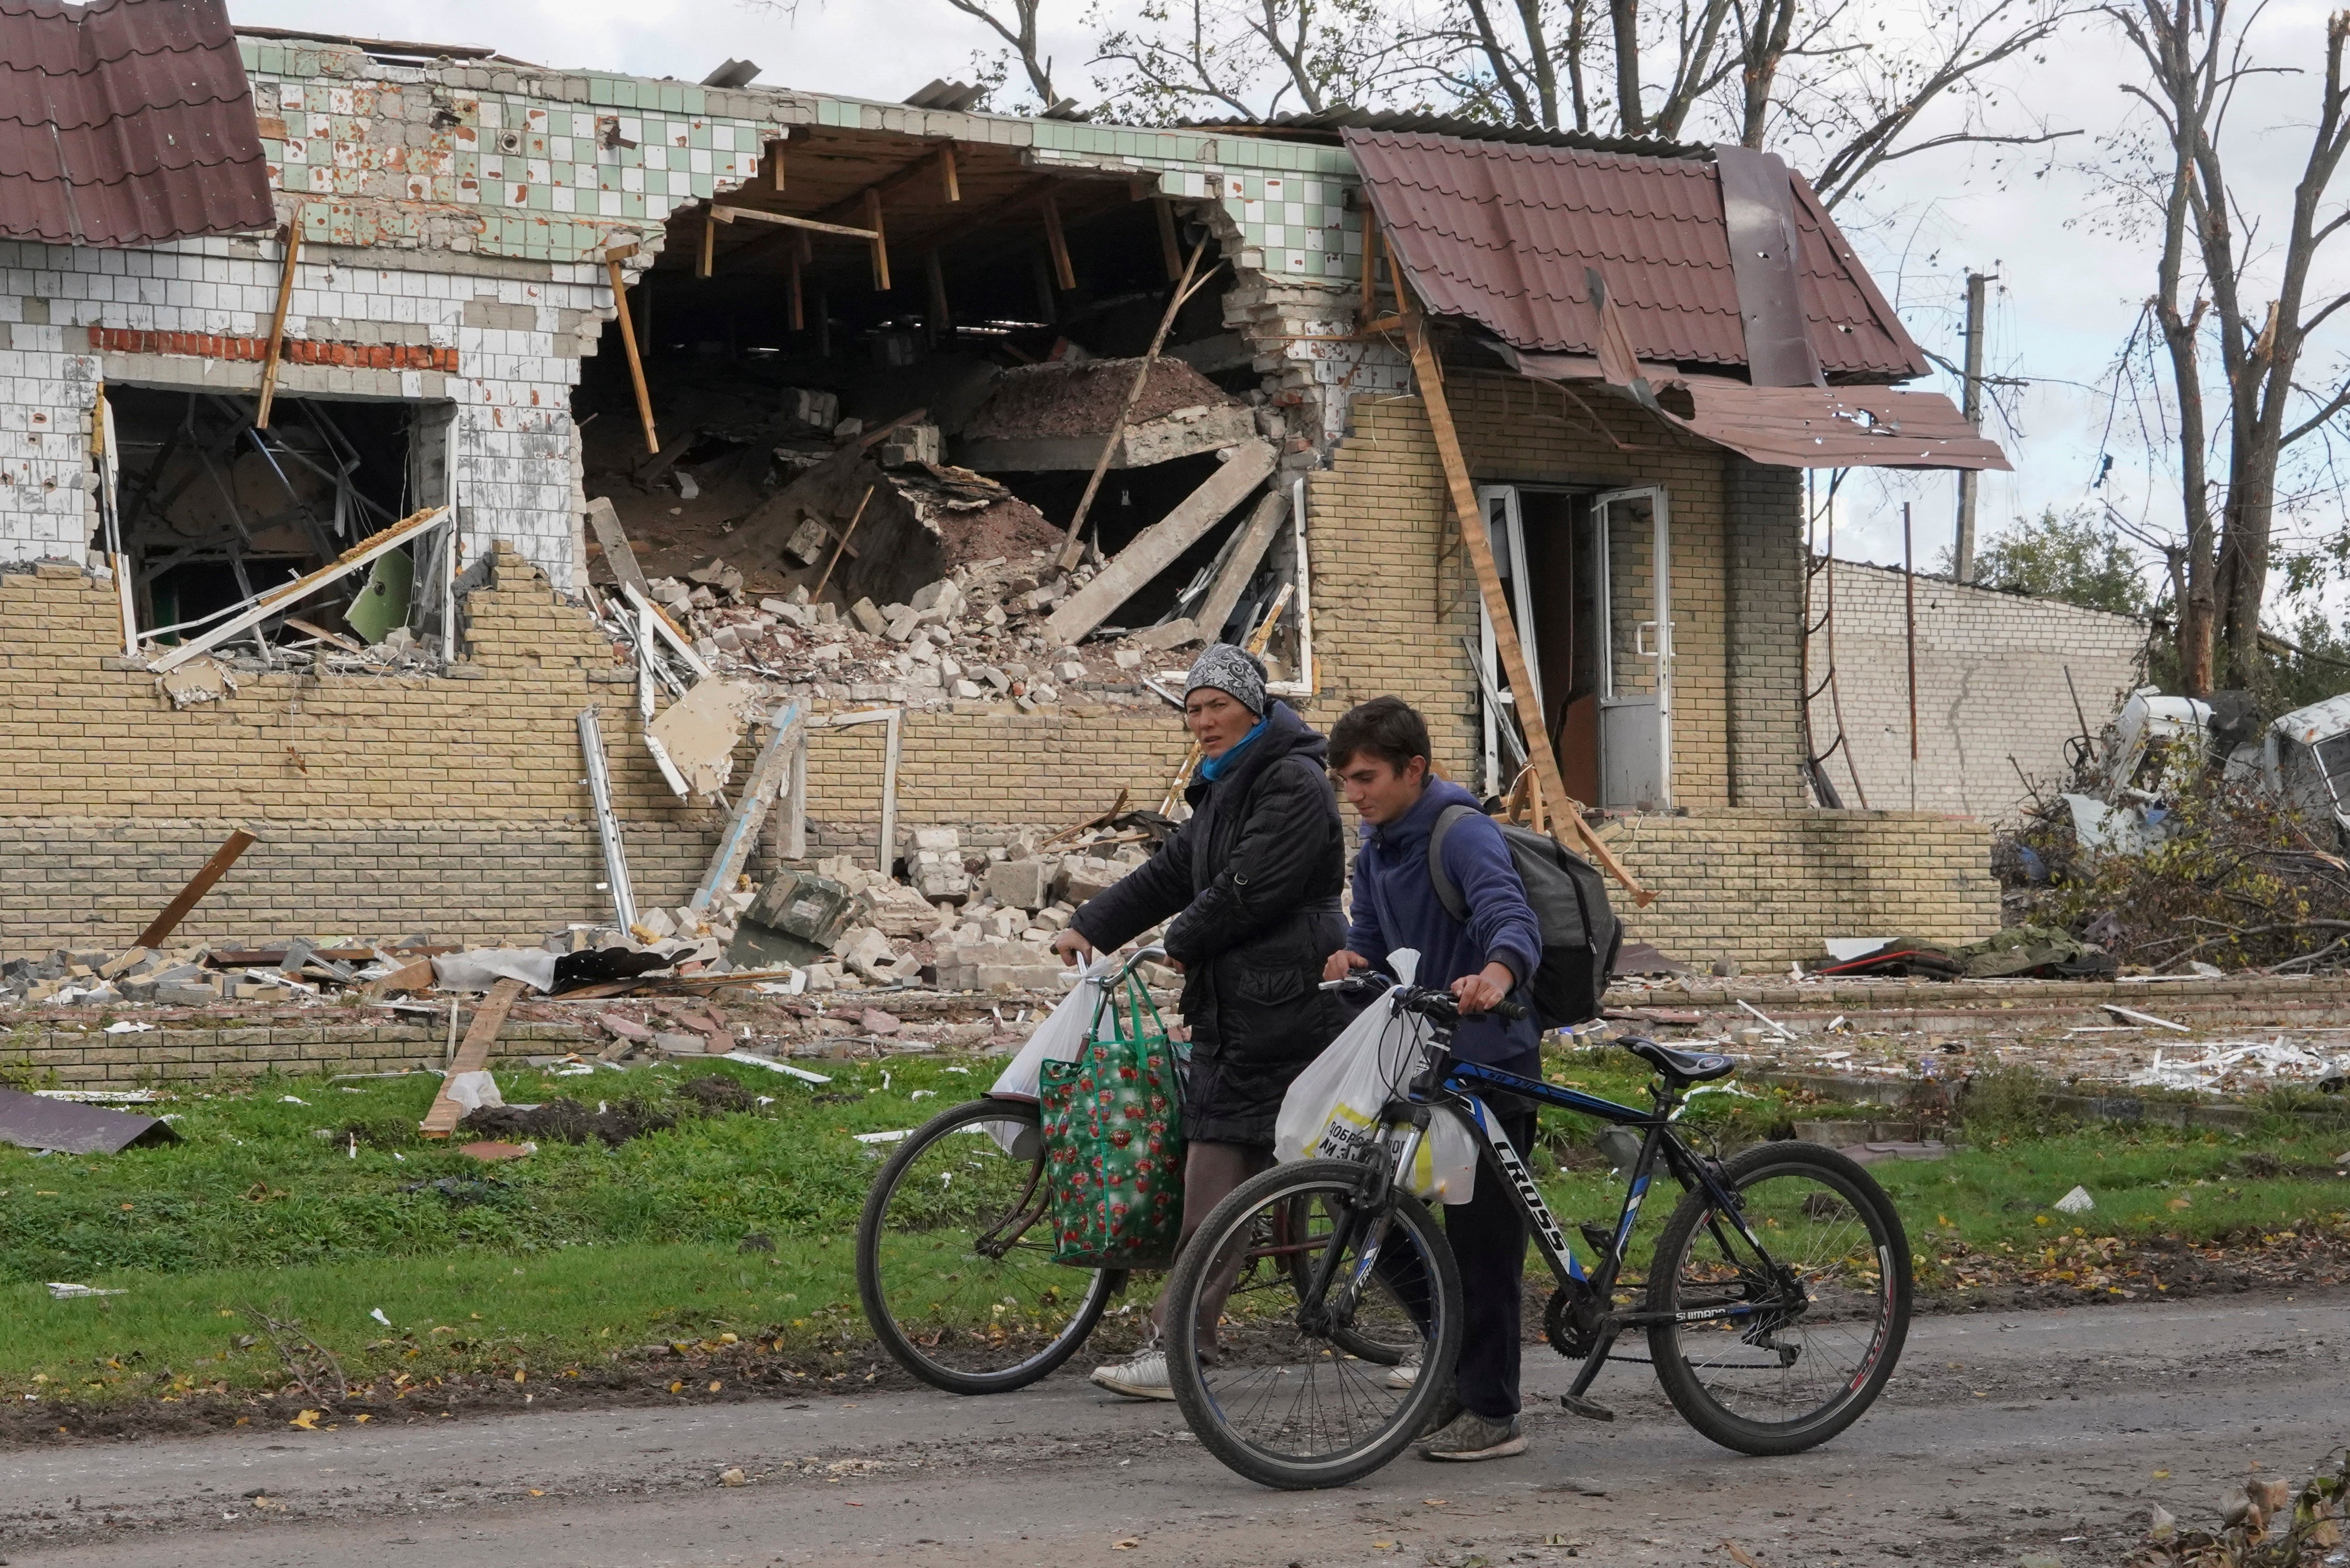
1332, 1108
1059, 1038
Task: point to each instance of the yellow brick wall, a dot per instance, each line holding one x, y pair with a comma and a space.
1391, 601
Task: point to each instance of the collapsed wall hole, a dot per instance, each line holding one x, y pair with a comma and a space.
758, 402
213, 513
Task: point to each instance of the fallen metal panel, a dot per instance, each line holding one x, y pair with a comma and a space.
29, 1121
1759, 209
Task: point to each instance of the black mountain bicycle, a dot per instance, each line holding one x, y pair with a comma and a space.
1775, 1302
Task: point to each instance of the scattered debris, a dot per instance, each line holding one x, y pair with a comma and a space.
38, 1122
61, 1292
2077, 1202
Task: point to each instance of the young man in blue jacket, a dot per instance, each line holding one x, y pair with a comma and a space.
1378, 755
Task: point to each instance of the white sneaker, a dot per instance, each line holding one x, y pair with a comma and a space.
1405, 1373
1143, 1376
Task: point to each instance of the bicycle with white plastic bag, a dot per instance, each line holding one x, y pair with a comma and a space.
955, 1247
1774, 1304
1332, 1108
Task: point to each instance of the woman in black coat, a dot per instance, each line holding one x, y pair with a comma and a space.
1250, 887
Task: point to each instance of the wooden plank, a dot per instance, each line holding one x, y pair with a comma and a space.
417, 976
1064, 275
636, 365
1156, 547
709, 244
775, 166
950, 181
471, 1057
617, 554
1480, 547
1255, 537
759, 792
164, 924
790, 221
881, 242
794, 299
275, 599
1170, 252
293, 236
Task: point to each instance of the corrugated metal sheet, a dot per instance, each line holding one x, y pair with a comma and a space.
1829, 427
125, 123
1500, 233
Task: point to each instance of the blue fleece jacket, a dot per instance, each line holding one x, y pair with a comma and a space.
1396, 907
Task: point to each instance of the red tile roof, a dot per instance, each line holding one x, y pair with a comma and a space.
1501, 232
125, 123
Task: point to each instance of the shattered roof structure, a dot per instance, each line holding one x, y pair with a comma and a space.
1503, 234
125, 123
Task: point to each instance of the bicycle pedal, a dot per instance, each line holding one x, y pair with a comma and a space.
1589, 1409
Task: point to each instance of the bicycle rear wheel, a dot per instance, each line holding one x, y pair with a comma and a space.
1283, 1396
1822, 1309
955, 1256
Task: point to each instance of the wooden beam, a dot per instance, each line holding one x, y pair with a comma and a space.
775, 166
941, 322
160, 928
636, 365
1480, 547
1169, 252
880, 241
1156, 547
793, 300
1182, 291
293, 239
709, 244
950, 181
1064, 276
792, 221
471, 1057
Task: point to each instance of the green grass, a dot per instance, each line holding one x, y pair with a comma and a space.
581, 1254
576, 1251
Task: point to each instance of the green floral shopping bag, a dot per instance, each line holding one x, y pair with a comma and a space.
1114, 1139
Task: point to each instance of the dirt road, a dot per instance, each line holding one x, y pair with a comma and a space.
2003, 1434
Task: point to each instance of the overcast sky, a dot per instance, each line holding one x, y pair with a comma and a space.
2070, 286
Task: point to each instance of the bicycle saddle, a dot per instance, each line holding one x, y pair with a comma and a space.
1682, 1066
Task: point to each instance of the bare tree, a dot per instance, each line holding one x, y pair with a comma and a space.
1182, 58
1020, 34
2207, 281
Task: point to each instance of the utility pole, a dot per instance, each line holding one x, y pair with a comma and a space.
1963, 557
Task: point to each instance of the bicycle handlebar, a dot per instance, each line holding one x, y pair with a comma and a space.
1428, 1001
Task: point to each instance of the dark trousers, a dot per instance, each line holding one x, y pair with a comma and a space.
1210, 1172
1487, 1234
1488, 1237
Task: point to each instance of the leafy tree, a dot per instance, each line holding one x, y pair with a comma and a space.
2067, 555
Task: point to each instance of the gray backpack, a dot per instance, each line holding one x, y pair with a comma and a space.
1580, 933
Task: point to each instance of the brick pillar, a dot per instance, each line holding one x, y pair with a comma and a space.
1766, 628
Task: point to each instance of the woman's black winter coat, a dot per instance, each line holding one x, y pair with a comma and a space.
1251, 882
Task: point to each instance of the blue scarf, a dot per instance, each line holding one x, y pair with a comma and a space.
1212, 768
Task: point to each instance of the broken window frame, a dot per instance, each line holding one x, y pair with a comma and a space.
435, 548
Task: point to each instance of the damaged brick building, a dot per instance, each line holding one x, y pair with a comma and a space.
844, 351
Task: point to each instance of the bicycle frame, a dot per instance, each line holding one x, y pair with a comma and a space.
1444, 1080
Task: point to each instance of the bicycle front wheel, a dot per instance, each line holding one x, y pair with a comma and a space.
1817, 1314
954, 1255
1278, 1386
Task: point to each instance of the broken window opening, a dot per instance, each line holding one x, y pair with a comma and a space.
206, 514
